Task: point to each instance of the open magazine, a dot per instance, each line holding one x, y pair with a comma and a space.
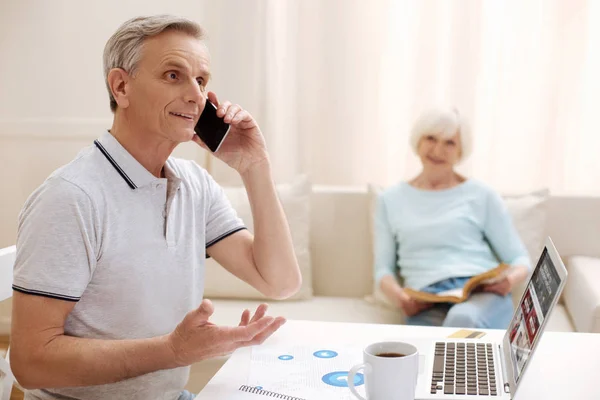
461, 294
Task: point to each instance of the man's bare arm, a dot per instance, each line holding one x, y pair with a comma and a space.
266, 260
42, 356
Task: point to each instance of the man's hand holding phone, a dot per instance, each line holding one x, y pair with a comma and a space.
240, 145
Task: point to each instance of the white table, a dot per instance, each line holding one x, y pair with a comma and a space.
565, 365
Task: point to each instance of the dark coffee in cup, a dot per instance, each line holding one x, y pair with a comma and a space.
390, 355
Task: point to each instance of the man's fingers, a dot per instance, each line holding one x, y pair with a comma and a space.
207, 306
261, 311
240, 116
265, 334
232, 112
204, 311
223, 108
212, 97
245, 318
246, 333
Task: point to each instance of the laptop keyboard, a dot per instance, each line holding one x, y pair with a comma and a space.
464, 368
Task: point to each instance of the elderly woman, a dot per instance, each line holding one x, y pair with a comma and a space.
440, 228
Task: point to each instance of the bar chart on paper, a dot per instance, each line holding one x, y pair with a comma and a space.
304, 372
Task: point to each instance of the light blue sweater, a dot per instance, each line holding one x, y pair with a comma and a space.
432, 235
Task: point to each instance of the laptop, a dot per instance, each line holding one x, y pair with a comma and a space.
467, 369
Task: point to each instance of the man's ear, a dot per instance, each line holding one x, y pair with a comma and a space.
118, 82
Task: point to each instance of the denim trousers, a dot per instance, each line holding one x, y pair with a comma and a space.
482, 310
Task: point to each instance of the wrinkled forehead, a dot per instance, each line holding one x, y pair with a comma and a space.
177, 48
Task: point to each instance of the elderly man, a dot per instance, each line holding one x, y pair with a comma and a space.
111, 247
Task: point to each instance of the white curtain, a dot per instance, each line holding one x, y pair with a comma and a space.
336, 85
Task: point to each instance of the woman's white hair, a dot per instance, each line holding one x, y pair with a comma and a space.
443, 123
124, 48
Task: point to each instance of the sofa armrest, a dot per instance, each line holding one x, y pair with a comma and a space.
582, 293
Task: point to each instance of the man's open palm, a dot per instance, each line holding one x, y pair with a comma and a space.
196, 338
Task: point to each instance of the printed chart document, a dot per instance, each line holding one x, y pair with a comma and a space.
302, 372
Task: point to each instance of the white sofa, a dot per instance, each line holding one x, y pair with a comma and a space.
340, 251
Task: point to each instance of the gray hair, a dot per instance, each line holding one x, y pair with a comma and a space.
444, 123
124, 48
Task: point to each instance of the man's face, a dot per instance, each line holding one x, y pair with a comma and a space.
168, 88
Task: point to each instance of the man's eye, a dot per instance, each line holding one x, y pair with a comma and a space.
172, 75
450, 143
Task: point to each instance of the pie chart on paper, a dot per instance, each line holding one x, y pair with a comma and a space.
340, 379
325, 354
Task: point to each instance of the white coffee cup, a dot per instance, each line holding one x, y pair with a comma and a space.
388, 376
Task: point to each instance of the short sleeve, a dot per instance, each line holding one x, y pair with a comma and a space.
222, 219
56, 242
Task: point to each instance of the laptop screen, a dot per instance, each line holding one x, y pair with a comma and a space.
524, 329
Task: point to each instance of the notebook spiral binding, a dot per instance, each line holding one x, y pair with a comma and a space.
255, 390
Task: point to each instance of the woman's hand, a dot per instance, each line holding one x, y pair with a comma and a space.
501, 288
516, 275
411, 306
393, 291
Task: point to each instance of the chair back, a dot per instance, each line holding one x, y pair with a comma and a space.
7, 262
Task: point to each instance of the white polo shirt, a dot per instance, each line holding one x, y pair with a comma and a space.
127, 247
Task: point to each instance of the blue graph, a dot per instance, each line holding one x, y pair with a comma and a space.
340, 379
325, 354
286, 357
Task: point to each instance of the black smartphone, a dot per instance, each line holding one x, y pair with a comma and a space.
212, 129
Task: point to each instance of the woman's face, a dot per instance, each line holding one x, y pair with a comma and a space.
439, 153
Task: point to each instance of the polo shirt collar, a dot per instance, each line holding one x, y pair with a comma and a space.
132, 172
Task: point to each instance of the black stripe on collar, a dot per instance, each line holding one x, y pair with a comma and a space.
115, 165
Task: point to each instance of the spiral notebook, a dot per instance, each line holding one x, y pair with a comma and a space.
251, 392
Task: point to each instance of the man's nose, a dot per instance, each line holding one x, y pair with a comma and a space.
194, 93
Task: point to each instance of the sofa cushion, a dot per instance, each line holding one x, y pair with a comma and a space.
295, 200
340, 246
582, 293
528, 211
560, 320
